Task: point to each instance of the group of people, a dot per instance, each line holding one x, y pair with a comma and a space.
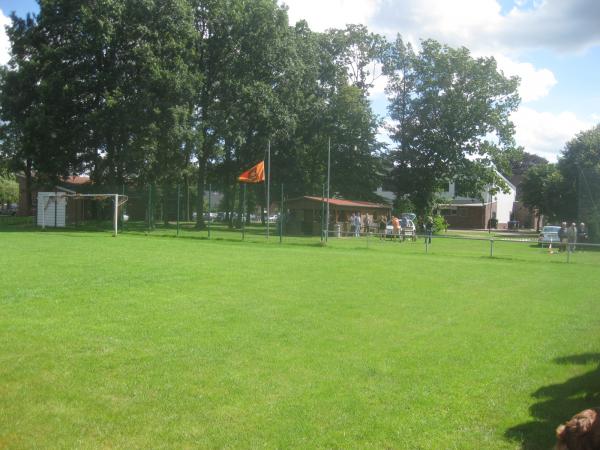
356, 223
570, 235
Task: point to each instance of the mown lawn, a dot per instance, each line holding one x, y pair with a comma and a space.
156, 342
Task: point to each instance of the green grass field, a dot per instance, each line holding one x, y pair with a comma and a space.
155, 342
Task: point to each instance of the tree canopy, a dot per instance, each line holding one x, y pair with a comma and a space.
451, 119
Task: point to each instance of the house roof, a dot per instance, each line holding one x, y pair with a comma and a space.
76, 180
345, 203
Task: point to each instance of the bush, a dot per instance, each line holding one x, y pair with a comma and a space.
439, 224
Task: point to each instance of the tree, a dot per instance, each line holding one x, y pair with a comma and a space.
579, 165
542, 189
100, 87
451, 115
9, 190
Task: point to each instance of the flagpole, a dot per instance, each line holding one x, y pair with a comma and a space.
244, 213
268, 186
209, 207
328, 179
322, 212
281, 216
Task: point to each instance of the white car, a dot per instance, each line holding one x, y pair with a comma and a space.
407, 229
549, 235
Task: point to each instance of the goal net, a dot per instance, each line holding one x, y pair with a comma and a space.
65, 209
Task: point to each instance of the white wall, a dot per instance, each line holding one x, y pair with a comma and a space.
504, 206
51, 205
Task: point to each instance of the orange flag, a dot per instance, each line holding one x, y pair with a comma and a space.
254, 175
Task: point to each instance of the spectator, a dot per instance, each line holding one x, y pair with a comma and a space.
395, 227
428, 229
562, 236
357, 225
572, 236
582, 233
382, 227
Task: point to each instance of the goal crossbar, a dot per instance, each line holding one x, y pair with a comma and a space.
118, 201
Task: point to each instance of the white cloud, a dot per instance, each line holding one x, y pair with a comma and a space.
535, 83
544, 133
480, 24
4, 42
323, 14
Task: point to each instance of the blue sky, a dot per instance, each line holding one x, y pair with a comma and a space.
553, 45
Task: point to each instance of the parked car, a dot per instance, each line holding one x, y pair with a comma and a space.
549, 235
407, 229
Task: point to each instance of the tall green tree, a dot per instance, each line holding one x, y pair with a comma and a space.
451, 114
579, 165
542, 189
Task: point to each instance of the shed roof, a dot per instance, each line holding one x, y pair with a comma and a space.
342, 203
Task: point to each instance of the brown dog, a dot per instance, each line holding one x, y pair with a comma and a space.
582, 432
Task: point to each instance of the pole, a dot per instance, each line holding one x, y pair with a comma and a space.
328, 180
44, 204
281, 217
244, 213
209, 207
116, 215
149, 207
123, 213
55, 207
323, 213
268, 187
178, 197
491, 248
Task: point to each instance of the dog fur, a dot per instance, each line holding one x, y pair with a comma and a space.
582, 432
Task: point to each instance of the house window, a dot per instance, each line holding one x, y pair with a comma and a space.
448, 212
462, 212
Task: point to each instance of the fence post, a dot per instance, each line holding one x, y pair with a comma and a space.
426, 245
491, 248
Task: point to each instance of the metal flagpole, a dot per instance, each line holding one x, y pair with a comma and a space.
328, 179
244, 213
268, 186
323, 213
281, 216
178, 196
209, 207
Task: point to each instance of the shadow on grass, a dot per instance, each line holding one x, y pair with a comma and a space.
557, 403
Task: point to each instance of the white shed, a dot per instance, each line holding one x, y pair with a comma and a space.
51, 209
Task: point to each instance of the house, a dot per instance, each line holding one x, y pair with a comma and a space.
466, 212
305, 214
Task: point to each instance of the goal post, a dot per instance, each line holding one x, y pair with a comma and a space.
53, 207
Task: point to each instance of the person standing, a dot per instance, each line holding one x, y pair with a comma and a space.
382, 227
572, 236
357, 225
562, 236
428, 229
395, 227
582, 233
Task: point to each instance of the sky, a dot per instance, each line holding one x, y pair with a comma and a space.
552, 45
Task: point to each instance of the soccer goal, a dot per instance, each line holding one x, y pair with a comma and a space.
61, 208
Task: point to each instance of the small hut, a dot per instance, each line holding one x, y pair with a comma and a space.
306, 214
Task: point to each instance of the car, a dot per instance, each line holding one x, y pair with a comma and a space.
407, 229
549, 235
